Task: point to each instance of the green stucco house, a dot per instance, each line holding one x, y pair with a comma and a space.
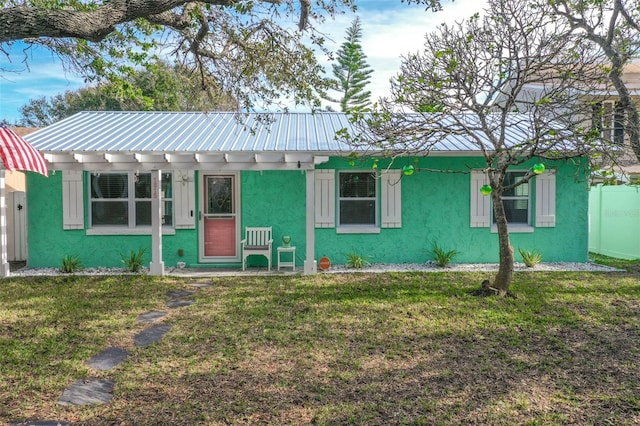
184, 186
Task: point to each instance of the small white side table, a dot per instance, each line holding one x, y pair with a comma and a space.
291, 264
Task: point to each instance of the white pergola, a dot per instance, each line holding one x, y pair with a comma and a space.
155, 163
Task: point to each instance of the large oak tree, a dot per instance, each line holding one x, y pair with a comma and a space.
253, 49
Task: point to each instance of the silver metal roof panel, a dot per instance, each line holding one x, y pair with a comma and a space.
222, 132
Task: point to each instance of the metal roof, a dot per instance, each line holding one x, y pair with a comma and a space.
126, 139
100, 131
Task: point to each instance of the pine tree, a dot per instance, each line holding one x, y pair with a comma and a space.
351, 72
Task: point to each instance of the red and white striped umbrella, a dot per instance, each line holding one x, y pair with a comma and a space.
17, 154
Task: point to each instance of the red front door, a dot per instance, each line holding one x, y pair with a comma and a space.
219, 236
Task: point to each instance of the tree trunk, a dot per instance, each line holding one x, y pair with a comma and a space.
505, 271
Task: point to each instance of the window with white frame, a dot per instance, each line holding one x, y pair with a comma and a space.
123, 199
357, 199
609, 118
516, 200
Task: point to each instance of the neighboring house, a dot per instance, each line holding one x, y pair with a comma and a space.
14, 180
608, 117
611, 121
16, 219
184, 186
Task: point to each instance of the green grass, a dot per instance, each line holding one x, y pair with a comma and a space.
366, 349
628, 265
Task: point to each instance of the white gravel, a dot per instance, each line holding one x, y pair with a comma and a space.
475, 267
372, 268
32, 272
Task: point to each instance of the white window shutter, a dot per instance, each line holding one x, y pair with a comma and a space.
480, 204
546, 199
184, 199
325, 201
72, 199
391, 199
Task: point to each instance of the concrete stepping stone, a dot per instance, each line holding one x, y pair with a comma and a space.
87, 391
151, 334
108, 359
179, 303
178, 294
200, 284
39, 423
150, 316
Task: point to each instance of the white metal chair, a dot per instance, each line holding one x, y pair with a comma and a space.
256, 241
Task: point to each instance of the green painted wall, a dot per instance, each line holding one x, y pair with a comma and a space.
435, 208
48, 242
277, 199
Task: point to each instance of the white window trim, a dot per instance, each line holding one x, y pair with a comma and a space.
120, 230
131, 228
519, 226
612, 129
515, 228
358, 229
361, 229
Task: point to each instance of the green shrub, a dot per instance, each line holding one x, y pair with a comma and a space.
134, 260
70, 264
355, 260
441, 256
530, 257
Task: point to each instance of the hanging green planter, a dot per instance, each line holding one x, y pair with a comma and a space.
538, 168
486, 190
408, 170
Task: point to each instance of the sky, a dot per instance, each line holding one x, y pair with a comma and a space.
390, 29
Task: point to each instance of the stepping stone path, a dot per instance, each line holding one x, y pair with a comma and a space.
151, 335
150, 316
87, 391
108, 359
200, 284
100, 391
179, 298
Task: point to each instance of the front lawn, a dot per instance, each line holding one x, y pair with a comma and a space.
361, 349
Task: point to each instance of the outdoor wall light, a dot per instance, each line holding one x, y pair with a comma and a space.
538, 168
486, 190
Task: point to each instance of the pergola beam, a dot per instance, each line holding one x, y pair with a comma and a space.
117, 161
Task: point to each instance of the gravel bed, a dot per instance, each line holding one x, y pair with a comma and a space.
372, 268
474, 267
32, 272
